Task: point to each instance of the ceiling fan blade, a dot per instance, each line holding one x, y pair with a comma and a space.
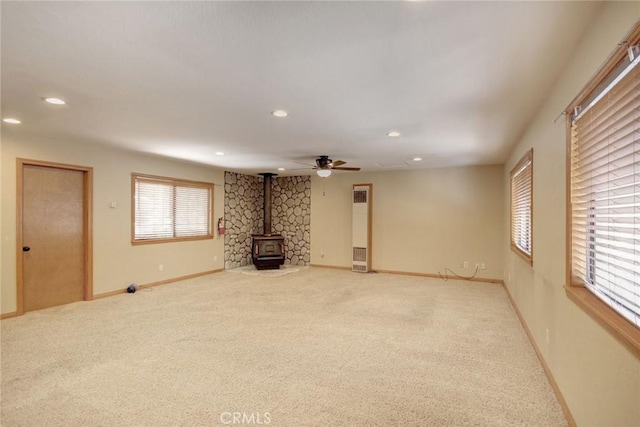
338, 163
306, 164
346, 169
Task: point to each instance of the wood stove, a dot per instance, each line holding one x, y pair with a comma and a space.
267, 250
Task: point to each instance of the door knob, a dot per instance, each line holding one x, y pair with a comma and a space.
26, 249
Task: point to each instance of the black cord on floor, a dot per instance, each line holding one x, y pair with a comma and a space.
447, 270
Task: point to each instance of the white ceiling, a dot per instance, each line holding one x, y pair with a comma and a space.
459, 80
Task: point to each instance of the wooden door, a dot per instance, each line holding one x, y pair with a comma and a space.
53, 236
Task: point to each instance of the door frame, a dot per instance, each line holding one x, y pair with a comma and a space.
87, 228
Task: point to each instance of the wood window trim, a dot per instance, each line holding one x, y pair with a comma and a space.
527, 157
623, 330
526, 257
169, 181
609, 65
626, 333
175, 239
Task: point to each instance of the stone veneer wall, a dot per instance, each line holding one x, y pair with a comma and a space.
243, 217
290, 216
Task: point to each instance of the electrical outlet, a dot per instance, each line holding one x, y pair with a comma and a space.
161, 267
547, 335
215, 258
466, 264
321, 254
483, 266
477, 266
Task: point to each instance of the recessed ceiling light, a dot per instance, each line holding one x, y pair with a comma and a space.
417, 159
393, 133
219, 153
55, 101
12, 121
280, 113
280, 169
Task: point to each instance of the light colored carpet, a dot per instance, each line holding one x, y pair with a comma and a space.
253, 271
317, 348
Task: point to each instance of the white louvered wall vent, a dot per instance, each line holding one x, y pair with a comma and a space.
361, 226
359, 254
359, 196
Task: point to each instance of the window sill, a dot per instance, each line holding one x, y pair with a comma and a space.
528, 258
178, 239
618, 326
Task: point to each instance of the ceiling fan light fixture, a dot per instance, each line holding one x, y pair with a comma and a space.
323, 173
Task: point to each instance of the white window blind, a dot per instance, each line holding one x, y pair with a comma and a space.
171, 209
605, 195
522, 206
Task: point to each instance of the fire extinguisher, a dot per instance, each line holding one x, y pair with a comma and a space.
220, 226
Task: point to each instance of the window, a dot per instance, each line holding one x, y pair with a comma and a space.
604, 194
522, 207
166, 209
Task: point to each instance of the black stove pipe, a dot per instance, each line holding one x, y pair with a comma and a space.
267, 202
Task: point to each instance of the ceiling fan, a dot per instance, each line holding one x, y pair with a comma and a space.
324, 166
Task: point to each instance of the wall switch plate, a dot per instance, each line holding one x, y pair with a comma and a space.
161, 267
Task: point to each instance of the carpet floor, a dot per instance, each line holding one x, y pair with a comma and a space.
319, 347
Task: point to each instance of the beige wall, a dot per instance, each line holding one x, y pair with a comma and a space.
423, 221
116, 262
599, 378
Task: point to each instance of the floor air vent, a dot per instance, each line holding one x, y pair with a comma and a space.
360, 268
